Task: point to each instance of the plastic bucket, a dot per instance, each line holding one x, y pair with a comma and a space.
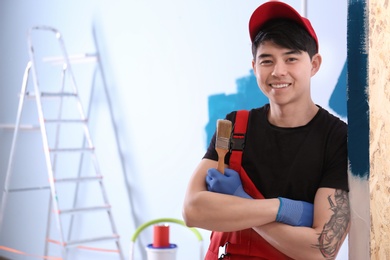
161, 253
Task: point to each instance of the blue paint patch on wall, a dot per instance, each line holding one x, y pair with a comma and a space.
358, 108
248, 96
338, 99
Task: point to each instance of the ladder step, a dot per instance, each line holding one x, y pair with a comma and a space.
21, 127
85, 209
28, 189
52, 94
90, 240
66, 120
80, 179
59, 150
77, 58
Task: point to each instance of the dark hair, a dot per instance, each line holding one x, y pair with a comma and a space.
287, 34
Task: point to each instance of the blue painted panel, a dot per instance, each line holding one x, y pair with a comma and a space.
358, 109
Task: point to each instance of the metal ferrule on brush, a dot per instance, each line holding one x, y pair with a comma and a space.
223, 143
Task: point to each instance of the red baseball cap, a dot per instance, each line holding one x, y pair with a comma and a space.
276, 9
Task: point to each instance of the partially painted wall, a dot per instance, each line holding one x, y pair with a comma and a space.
369, 128
164, 62
358, 129
379, 102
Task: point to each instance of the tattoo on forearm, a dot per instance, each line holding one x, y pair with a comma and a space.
331, 237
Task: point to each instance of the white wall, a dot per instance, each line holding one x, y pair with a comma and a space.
162, 60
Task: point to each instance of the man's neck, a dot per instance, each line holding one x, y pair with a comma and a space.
291, 116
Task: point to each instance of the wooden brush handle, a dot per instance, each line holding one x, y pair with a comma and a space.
221, 159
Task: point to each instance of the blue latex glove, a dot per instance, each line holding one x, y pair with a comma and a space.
295, 212
228, 183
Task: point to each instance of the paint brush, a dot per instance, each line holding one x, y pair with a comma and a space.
224, 130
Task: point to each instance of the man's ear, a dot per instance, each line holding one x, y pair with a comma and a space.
253, 66
316, 61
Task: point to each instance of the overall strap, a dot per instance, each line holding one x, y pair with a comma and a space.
238, 139
237, 148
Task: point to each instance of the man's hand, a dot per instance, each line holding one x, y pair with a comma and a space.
228, 183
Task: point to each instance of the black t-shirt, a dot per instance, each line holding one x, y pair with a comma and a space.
293, 162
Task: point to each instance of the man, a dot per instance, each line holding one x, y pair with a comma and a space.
295, 155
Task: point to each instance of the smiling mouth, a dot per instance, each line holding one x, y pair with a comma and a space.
279, 86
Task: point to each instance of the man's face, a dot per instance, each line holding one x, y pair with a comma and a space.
283, 75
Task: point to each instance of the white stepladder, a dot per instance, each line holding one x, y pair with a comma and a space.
70, 156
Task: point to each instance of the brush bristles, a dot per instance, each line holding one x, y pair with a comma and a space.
224, 129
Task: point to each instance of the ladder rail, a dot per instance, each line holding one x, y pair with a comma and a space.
80, 166
44, 131
48, 225
56, 145
74, 86
13, 144
77, 188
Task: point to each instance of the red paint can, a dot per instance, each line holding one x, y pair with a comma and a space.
161, 236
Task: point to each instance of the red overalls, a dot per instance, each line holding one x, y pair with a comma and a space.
244, 244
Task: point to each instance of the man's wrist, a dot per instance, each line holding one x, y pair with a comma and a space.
295, 212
